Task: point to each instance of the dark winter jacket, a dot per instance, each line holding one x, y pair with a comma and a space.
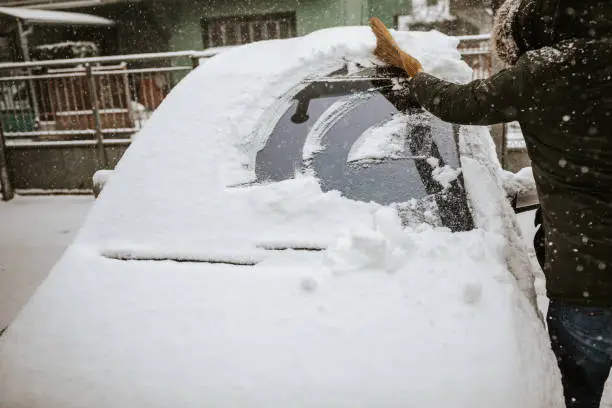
560, 90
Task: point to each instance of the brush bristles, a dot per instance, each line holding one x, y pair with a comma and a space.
389, 51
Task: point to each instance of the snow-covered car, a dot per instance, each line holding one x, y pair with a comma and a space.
289, 231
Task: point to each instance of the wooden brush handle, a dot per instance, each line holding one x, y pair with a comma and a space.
388, 51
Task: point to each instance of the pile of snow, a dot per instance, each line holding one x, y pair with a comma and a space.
99, 179
444, 175
386, 140
521, 182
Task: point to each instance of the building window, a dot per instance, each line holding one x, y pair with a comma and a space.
237, 30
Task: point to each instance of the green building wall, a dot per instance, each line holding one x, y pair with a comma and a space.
175, 25
311, 15
182, 19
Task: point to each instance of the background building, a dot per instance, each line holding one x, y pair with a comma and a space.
173, 25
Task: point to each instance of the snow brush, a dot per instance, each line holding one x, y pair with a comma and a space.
388, 51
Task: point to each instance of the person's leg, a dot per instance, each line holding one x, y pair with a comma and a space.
582, 341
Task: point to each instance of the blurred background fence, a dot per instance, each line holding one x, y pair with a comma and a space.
77, 99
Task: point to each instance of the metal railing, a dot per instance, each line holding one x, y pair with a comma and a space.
77, 99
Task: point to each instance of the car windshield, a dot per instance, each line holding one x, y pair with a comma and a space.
359, 134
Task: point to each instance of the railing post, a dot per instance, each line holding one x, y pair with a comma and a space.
195, 61
504, 151
93, 98
496, 66
128, 97
26, 57
5, 182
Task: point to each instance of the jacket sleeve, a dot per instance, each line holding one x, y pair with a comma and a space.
481, 102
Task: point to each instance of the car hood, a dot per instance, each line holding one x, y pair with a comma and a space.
299, 329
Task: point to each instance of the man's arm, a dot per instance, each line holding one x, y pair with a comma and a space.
498, 99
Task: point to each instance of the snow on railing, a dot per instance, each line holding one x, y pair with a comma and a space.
101, 60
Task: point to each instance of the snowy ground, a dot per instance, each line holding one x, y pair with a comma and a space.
34, 232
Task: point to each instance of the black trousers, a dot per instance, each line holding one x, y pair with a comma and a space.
581, 338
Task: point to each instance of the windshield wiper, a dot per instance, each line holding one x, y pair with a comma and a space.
190, 258
285, 247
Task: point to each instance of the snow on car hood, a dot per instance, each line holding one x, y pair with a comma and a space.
384, 317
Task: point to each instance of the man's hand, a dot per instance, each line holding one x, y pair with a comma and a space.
389, 52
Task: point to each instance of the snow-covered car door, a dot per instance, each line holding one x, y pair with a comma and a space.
492, 211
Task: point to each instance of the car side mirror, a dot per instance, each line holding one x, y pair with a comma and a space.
100, 178
521, 190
